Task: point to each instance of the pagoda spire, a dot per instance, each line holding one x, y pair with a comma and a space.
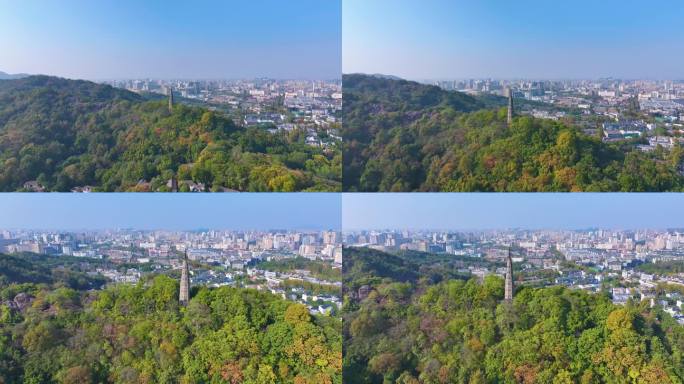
508, 289
184, 294
170, 99
509, 117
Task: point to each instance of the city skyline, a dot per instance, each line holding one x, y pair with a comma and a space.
495, 39
206, 40
501, 211
171, 212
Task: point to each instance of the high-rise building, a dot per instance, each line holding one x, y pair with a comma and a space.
184, 295
329, 237
508, 289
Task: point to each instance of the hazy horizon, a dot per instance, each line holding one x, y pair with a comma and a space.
525, 39
152, 78
427, 80
540, 229
189, 230
499, 211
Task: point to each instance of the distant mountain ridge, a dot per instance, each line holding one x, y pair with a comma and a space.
7, 76
364, 263
75, 90
385, 91
386, 77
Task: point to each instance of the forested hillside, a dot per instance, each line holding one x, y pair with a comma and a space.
363, 264
64, 134
318, 269
41, 269
51, 333
405, 136
459, 331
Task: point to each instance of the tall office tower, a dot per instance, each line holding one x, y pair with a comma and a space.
509, 93
508, 290
184, 295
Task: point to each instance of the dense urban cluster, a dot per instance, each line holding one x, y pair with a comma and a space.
613, 109
303, 267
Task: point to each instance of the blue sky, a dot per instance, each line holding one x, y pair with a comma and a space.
449, 39
349, 211
183, 211
459, 211
108, 39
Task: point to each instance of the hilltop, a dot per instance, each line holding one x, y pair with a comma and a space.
406, 136
361, 264
58, 134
